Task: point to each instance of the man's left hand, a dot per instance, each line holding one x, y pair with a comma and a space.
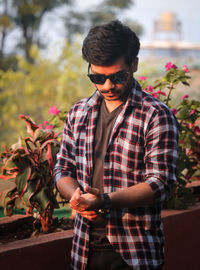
90, 200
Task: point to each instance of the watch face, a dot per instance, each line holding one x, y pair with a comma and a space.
102, 212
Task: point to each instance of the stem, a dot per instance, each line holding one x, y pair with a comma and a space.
170, 90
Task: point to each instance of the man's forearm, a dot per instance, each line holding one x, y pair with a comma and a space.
136, 196
67, 187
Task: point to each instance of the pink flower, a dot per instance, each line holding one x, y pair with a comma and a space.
182, 141
169, 66
161, 93
150, 88
40, 126
45, 123
154, 95
174, 110
184, 97
142, 78
192, 112
185, 68
187, 177
54, 110
49, 127
197, 130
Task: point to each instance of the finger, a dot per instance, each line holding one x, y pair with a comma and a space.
94, 191
76, 196
90, 215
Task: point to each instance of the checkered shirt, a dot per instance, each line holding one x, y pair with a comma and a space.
142, 148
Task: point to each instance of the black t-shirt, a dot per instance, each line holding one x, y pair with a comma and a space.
105, 123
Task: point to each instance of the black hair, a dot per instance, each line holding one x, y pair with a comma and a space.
106, 43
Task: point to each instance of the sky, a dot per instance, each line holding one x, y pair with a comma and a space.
146, 12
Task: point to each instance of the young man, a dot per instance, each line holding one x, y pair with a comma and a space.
117, 160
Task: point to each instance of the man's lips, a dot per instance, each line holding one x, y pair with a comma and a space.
109, 92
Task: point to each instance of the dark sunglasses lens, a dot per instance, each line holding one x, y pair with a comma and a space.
119, 78
98, 79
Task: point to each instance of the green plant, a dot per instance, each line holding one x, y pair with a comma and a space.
27, 173
188, 115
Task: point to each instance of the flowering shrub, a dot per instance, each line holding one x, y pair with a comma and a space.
188, 115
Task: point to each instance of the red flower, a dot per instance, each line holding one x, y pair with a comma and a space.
154, 95
169, 66
49, 127
197, 130
192, 112
54, 110
184, 97
185, 68
45, 123
161, 93
150, 88
174, 110
142, 78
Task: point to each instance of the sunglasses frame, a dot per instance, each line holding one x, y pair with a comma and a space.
105, 77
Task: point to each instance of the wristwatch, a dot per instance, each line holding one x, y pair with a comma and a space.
107, 205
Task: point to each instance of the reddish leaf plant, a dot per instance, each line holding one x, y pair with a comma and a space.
27, 173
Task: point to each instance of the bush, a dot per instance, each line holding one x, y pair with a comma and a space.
188, 116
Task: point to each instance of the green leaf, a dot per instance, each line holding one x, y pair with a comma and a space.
31, 125
31, 189
41, 135
22, 178
7, 185
42, 200
12, 163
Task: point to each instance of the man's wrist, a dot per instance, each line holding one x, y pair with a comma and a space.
106, 205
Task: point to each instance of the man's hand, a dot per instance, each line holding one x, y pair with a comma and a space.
86, 203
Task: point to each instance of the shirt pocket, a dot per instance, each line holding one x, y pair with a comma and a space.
129, 150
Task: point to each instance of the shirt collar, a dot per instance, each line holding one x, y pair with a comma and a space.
134, 98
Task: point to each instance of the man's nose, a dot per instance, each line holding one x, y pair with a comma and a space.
108, 84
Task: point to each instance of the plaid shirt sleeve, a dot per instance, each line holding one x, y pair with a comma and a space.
161, 153
66, 165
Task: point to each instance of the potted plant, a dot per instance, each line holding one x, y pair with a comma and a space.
27, 173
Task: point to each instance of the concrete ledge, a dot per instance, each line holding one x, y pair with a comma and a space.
182, 234
52, 251
46, 252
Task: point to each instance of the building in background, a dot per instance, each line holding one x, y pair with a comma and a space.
168, 41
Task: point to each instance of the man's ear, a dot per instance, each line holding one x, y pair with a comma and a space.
135, 64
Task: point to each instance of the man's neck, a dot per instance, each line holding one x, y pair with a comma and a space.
112, 105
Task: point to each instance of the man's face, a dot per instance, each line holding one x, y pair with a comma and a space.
112, 91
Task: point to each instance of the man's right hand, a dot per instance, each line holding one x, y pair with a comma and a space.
86, 203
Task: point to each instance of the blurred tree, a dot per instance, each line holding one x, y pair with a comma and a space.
27, 16
33, 88
6, 26
79, 22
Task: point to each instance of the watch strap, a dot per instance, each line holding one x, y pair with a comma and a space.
107, 204
106, 201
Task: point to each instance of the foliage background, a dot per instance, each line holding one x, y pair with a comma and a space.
31, 82
33, 88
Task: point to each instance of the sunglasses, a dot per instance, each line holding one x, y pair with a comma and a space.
116, 78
